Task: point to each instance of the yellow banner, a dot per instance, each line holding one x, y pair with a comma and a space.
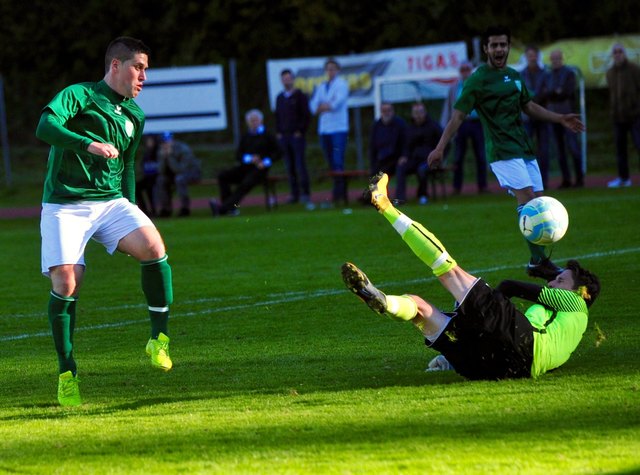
592, 56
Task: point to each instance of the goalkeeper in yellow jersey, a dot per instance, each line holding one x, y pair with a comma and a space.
486, 336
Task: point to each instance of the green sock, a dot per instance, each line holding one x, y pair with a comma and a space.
422, 242
401, 307
62, 319
158, 288
536, 250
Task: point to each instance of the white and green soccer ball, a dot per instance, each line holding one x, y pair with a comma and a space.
544, 220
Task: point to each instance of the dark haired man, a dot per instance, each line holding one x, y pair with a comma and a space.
534, 75
486, 336
421, 135
498, 94
386, 140
292, 120
559, 95
94, 129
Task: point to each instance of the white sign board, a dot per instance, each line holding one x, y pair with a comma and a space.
360, 70
184, 99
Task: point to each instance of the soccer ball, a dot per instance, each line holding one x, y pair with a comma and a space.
544, 220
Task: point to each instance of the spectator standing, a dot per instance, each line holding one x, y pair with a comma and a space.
145, 186
257, 150
179, 168
329, 102
623, 80
470, 130
386, 143
559, 91
533, 76
421, 137
292, 121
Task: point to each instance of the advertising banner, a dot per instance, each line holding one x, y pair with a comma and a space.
184, 99
592, 56
360, 70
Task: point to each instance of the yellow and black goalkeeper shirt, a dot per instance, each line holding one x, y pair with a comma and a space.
559, 319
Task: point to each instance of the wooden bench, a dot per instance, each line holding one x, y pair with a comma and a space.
348, 175
269, 186
436, 178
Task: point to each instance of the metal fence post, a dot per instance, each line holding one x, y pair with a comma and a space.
4, 136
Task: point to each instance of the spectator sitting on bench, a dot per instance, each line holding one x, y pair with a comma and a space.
422, 136
178, 168
257, 150
386, 142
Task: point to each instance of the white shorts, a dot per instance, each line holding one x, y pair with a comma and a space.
67, 228
517, 173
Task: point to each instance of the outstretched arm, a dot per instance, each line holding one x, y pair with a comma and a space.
523, 290
570, 121
557, 299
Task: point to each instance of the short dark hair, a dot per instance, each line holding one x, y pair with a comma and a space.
583, 278
532, 47
122, 49
496, 30
286, 71
331, 61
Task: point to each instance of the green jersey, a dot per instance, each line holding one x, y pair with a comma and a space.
77, 116
498, 96
560, 319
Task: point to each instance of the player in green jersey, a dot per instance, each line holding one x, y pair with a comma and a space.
499, 96
89, 193
486, 336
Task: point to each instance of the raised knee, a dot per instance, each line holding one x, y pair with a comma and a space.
64, 282
155, 250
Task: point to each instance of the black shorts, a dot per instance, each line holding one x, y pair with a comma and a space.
487, 337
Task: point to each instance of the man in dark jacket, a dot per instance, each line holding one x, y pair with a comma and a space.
292, 120
559, 91
421, 137
533, 76
257, 150
623, 79
387, 140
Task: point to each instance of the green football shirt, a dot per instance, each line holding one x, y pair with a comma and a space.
77, 116
498, 96
557, 337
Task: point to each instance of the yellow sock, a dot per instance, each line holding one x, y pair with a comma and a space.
391, 213
402, 307
422, 242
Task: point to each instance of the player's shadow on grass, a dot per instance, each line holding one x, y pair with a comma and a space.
292, 373
54, 411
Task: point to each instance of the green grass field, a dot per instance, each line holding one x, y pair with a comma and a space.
279, 369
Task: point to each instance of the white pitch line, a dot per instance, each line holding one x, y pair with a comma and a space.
277, 298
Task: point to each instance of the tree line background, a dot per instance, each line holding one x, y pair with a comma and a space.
46, 45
